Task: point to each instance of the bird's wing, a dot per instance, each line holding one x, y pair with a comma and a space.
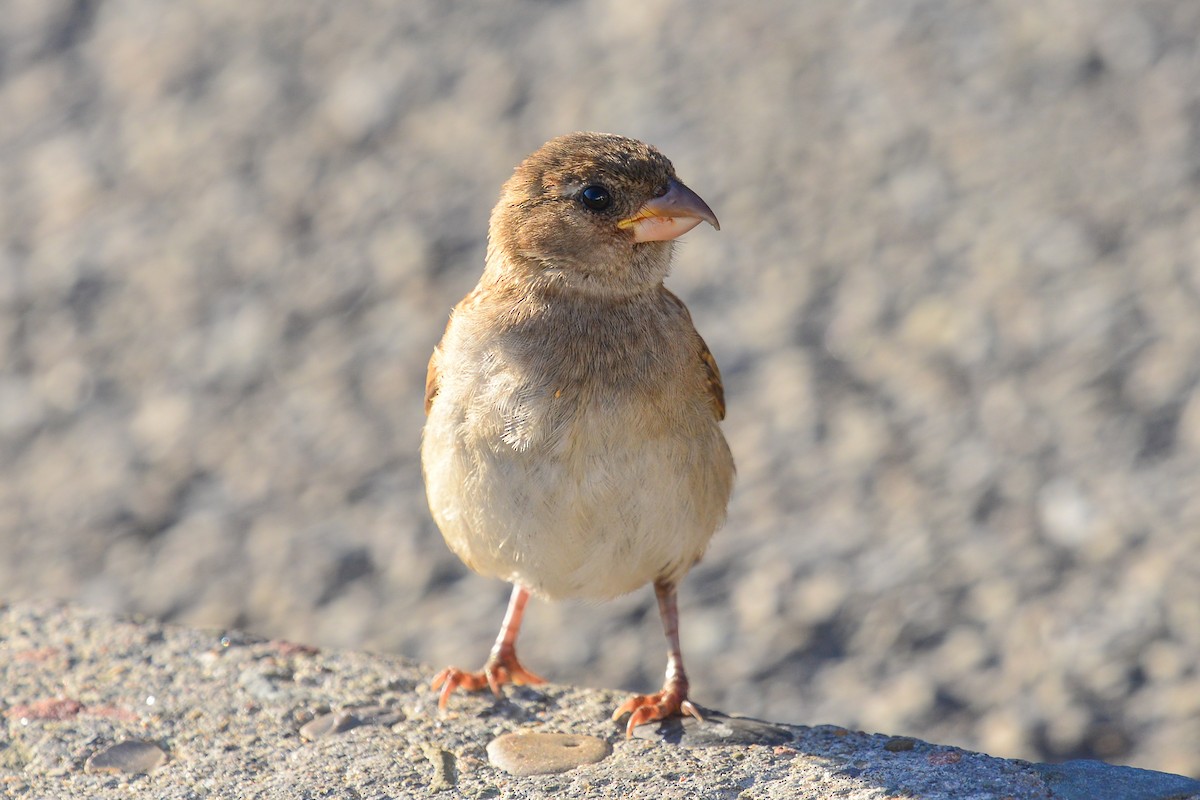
431, 378
433, 375
716, 389
712, 373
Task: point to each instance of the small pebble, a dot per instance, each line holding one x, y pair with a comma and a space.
130, 756
944, 757
287, 648
327, 724
259, 685
545, 753
45, 709
899, 744
337, 722
383, 716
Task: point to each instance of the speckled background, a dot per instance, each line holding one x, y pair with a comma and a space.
956, 300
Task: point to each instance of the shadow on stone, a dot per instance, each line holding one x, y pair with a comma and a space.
717, 728
1086, 780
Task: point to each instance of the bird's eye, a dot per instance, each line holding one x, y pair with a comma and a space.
596, 198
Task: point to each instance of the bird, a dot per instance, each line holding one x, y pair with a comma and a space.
572, 444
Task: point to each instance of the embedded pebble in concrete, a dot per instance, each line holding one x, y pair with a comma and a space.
45, 709
259, 686
327, 724
383, 716
899, 744
130, 756
337, 722
716, 729
523, 753
340, 721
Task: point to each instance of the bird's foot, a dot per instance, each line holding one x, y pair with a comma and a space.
670, 702
501, 668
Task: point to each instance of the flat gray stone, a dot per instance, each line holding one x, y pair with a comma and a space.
1087, 780
328, 724
524, 753
340, 721
716, 729
130, 757
383, 716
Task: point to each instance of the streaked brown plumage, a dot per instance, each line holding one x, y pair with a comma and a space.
572, 445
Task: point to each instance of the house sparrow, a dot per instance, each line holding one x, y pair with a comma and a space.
573, 445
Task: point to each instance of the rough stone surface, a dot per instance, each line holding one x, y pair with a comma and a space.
145, 681
955, 299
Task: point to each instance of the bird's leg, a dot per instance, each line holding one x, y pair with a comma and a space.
502, 665
673, 699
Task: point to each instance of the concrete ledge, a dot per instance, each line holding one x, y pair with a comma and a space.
243, 717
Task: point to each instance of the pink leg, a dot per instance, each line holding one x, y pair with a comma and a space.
673, 699
502, 665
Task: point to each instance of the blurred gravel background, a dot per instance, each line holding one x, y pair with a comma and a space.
956, 299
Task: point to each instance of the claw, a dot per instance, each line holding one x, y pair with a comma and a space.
493, 680
452, 678
670, 702
688, 709
629, 706
500, 669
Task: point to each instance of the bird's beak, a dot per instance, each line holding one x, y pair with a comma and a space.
670, 216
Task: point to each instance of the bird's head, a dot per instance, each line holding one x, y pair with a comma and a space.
593, 212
